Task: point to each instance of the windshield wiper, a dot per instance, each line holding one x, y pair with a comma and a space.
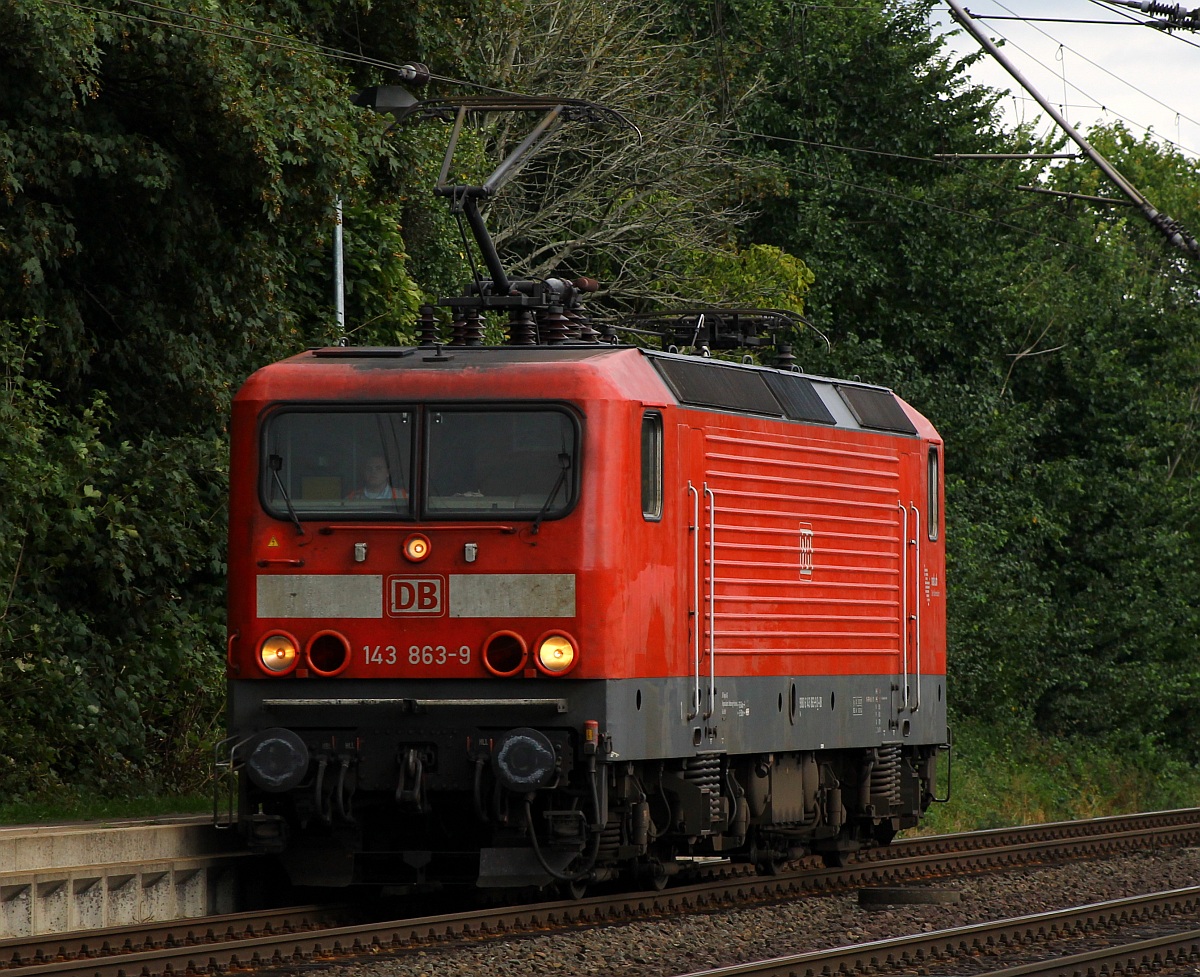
276, 464
564, 461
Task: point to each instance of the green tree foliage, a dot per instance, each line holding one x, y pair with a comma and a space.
95, 677
645, 211
168, 180
1052, 343
1089, 534
167, 186
1117, 453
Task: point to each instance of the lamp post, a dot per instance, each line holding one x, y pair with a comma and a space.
339, 278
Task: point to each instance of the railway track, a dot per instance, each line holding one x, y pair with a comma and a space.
123, 942
1043, 944
309, 934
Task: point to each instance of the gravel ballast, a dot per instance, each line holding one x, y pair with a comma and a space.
680, 944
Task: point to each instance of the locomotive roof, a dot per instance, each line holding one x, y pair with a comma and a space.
696, 381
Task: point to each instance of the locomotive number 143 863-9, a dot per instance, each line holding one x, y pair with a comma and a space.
416, 655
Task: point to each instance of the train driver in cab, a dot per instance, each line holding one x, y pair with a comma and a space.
377, 481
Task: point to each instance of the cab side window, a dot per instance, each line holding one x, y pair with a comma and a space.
934, 494
652, 466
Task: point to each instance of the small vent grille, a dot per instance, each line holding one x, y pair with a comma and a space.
876, 409
799, 397
705, 384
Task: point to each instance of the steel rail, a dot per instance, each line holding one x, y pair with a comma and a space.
1163, 823
1142, 956
924, 950
905, 861
191, 931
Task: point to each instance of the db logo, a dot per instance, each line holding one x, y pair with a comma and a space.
415, 595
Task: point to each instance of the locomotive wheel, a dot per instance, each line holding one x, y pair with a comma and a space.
655, 876
836, 851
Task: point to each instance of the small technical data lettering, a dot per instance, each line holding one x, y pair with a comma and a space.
738, 707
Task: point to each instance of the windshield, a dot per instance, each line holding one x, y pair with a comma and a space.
346, 462
472, 463
520, 462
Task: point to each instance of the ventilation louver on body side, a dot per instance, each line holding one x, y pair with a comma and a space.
876, 409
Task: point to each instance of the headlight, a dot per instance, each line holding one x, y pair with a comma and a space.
278, 653
556, 653
416, 547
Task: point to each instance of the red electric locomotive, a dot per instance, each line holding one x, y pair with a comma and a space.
563, 609
541, 613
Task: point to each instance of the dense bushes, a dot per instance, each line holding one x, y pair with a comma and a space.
111, 574
167, 197
166, 202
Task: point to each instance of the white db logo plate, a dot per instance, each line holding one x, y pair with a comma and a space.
415, 595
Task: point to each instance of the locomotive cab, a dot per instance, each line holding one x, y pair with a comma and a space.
510, 616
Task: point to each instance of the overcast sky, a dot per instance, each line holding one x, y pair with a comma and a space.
1100, 72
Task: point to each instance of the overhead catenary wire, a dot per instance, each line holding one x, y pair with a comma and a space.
1055, 20
1102, 105
255, 34
284, 42
1099, 67
1096, 103
258, 35
1184, 20
1170, 16
1175, 234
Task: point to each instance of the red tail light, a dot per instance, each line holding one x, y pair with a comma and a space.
328, 653
505, 653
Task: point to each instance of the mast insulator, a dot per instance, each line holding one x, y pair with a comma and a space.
554, 325
427, 327
522, 329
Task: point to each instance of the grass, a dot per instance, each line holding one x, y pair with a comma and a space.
79, 807
1002, 782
